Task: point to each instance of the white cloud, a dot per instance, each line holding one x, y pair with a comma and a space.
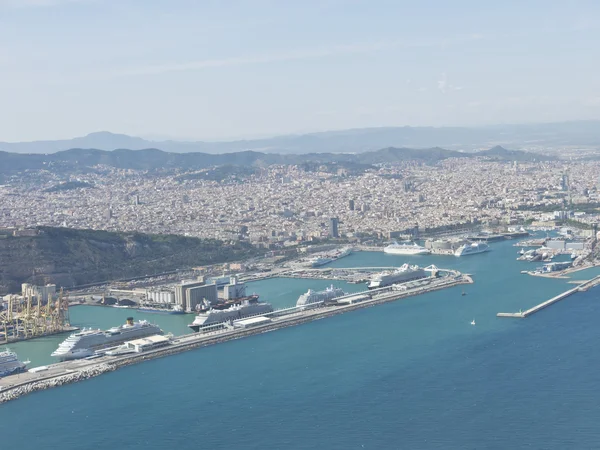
444, 86
443, 83
293, 55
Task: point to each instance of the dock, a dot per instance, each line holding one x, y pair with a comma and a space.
581, 288
14, 386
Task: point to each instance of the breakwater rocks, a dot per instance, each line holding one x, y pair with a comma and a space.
54, 381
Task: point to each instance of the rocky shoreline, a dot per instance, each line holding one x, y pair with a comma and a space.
55, 381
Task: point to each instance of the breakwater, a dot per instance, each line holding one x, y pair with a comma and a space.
72, 371
581, 288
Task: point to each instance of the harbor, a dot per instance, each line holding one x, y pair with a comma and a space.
71, 371
583, 287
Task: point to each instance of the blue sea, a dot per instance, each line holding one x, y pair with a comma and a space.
412, 374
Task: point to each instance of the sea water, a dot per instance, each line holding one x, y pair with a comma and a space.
411, 374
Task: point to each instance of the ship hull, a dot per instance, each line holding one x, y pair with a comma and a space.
159, 311
407, 252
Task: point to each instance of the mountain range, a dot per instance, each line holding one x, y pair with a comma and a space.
74, 160
344, 141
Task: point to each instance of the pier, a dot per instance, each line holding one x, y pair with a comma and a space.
14, 386
581, 288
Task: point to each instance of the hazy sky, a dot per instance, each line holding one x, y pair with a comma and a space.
225, 68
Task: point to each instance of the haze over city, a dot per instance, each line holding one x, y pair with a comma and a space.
215, 70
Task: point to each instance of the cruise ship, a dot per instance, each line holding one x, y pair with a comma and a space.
406, 249
10, 364
319, 296
320, 261
471, 249
87, 341
235, 312
400, 275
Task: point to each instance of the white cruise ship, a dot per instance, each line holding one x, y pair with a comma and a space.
86, 342
471, 249
406, 249
235, 312
320, 261
400, 275
319, 296
10, 364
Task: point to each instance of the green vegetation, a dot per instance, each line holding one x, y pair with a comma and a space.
72, 257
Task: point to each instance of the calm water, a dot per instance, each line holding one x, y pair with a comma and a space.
412, 374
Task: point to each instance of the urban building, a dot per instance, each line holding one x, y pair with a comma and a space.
333, 227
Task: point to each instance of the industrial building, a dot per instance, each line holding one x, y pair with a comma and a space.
181, 292
39, 293
160, 296
195, 295
234, 290
147, 343
251, 322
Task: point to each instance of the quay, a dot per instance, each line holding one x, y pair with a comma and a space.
581, 288
14, 386
10, 339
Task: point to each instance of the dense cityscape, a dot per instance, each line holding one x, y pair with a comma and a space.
286, 204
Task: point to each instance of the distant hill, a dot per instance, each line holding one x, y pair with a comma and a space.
74, 160
502, 154
344, 141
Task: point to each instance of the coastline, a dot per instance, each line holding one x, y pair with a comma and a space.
78, 370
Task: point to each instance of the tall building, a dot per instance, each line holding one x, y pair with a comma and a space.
195, 295
333, 227
351, 205
181, 291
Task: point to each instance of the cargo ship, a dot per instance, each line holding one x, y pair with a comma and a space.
87, 341
217, 316
401, 275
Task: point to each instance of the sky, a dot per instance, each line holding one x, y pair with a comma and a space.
227, 69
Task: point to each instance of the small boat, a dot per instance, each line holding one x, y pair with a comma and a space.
463, 293
473, 322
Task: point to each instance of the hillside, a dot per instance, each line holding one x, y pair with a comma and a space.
72, 257
502, 154
350, 141
74, 160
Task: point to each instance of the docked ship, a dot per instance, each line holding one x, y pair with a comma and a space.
406, 248
400, 275
225, 304
235, 312
320, 261
87, 341
10, 364
471, 249
176, 309
343, 253
311, 296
